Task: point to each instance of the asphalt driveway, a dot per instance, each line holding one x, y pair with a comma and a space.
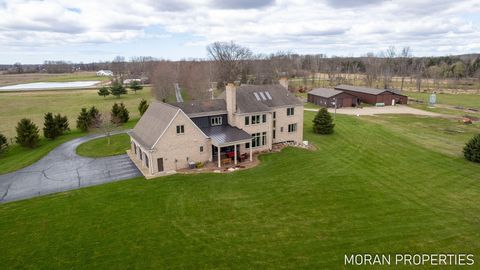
62, 169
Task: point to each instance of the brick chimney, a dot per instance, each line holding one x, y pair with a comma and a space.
231, 100
283, 82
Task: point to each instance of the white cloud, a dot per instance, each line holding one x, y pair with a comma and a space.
341, 27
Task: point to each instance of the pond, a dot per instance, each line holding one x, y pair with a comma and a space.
48, 85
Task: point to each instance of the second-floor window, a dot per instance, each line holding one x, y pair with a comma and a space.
290, 111
216, 121
292, 127
180, 129
247, 120
259, 118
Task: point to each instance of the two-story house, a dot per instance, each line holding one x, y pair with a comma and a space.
242, 120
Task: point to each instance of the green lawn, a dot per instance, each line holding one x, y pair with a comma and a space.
10, 79
100, 148
34, 105
18, 157
367, 189
464, 100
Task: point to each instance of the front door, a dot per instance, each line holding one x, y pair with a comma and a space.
160, 164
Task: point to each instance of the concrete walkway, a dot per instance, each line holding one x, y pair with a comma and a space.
399, 109
62, 169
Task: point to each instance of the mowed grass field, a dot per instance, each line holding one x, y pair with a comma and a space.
34, 105
9, 79
367, 189
100, 147
463, 100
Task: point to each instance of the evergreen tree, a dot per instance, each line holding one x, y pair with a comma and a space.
3, 144
62, 123
119, 113
471, 151
142, 107
51, 130
322, 123
117, 89
103, 91
27, 133
84, 121
94, 113
135, 86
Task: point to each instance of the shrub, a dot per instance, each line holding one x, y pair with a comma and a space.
117, 89
199, 165
84, 121
62, 122
119, 113
50, 128
103, 91
3, 144
471, 151
322, 123
27, 133
135, 86
142, 107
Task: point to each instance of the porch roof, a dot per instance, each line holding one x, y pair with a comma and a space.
226, 135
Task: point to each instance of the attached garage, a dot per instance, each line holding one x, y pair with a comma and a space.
374, 96
329, 97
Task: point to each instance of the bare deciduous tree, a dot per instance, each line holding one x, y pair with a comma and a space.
230, 58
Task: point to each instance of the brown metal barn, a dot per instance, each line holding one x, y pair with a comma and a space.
374, 96
327, 97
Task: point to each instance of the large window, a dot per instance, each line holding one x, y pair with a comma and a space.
257, 119
292, 127
216, 121
259, 139
290, 111
180, 129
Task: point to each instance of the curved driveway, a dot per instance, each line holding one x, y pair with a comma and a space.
62, 169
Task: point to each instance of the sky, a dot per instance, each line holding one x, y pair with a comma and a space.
98, 30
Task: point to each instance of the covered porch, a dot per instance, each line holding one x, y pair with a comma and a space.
227, 142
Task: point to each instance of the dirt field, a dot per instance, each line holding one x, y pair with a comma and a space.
379, 110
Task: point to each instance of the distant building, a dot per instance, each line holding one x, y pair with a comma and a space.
102, 72
330, 98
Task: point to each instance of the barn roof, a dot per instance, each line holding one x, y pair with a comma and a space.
325, 92
366, 90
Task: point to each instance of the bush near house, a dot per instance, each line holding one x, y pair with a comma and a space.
322, 123
142, 107
471, 151
3, 144
119, 113
27, 133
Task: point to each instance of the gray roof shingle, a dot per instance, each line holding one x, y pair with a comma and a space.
153, 123
325, 92
261, 98
197, 107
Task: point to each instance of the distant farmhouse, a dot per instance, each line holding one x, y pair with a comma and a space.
102, 72
351, 96
243, 120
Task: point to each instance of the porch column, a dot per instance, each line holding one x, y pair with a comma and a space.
251, 151
218, 151
235, 153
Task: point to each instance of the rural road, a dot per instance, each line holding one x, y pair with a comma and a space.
62, 169
399, 109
